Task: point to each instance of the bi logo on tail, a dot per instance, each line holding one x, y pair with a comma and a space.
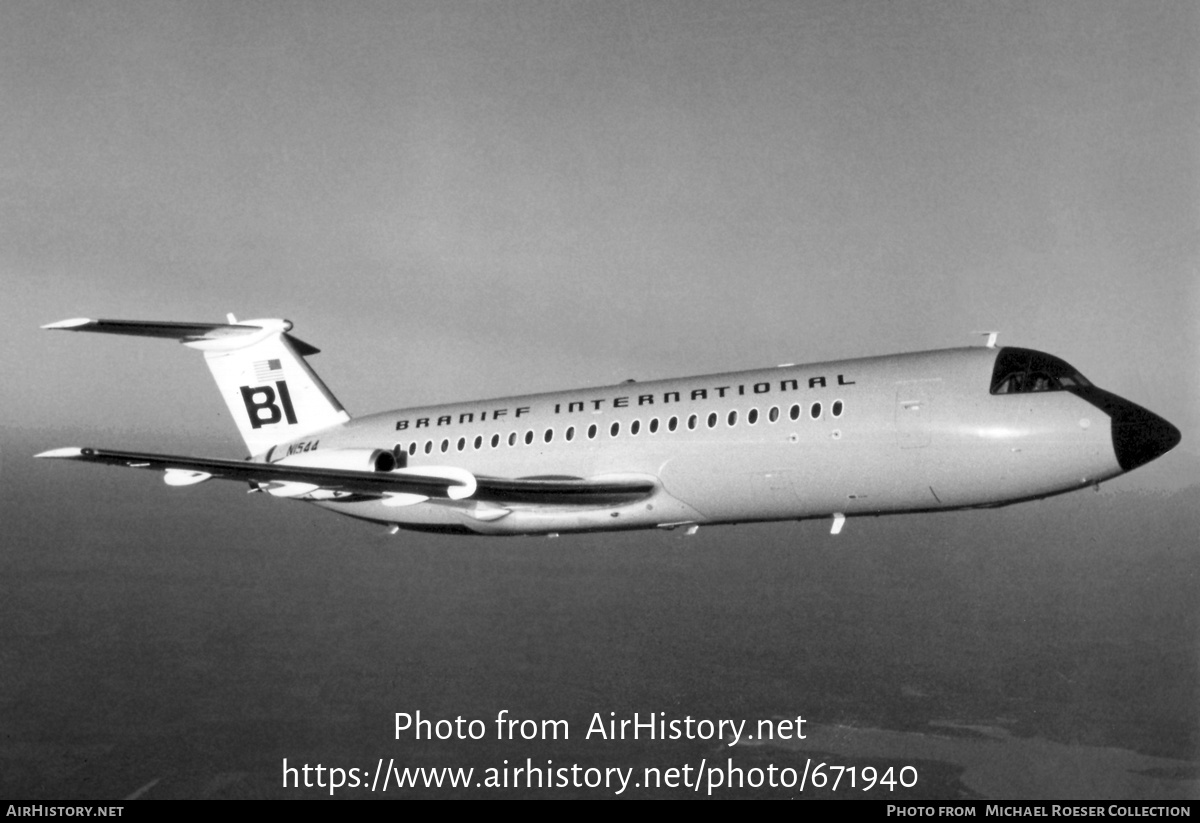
261, 406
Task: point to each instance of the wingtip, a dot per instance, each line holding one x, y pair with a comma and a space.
73, 323
69, 451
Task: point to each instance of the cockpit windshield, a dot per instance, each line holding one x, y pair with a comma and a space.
1020, 371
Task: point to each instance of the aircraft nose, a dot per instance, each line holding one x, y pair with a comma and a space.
1140, 435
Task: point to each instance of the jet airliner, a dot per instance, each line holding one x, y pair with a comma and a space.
923, 432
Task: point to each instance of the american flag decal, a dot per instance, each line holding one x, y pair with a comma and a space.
267, 370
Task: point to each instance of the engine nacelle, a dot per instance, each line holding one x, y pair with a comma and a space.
359, 460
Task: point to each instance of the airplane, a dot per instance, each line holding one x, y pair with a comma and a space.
932, 431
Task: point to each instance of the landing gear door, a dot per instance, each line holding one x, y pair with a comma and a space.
915, 408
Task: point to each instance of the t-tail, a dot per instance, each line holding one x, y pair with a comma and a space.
272, 393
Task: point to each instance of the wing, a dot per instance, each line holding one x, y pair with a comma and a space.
281, 478
395, 486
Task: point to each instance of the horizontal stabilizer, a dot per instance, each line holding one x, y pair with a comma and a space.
155, 328
206, 336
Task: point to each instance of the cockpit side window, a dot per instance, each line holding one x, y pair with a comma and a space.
1023, 371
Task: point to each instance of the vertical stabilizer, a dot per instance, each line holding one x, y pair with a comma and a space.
272, 393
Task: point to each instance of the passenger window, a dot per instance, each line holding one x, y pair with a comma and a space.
732, 418
635, 427
445, 445
495, 440
752, 416
614, 429
837, 408
691, 421
653, 425
592, 432
512, 438
462, 443
549, 435
794, 411
673, 424
428, 446
478, 442
773, 414
815, 411
412, 447
712, 420
570, 433
528, 437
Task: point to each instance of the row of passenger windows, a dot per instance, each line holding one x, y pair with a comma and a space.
692, 422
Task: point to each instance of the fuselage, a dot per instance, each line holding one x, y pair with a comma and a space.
927, 431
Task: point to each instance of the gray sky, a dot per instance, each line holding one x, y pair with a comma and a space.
471, 199
459, 200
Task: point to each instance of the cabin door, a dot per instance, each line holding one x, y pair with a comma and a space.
915, 407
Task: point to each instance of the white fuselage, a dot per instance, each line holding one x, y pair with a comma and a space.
910, 432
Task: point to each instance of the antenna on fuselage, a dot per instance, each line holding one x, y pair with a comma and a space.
991, 337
